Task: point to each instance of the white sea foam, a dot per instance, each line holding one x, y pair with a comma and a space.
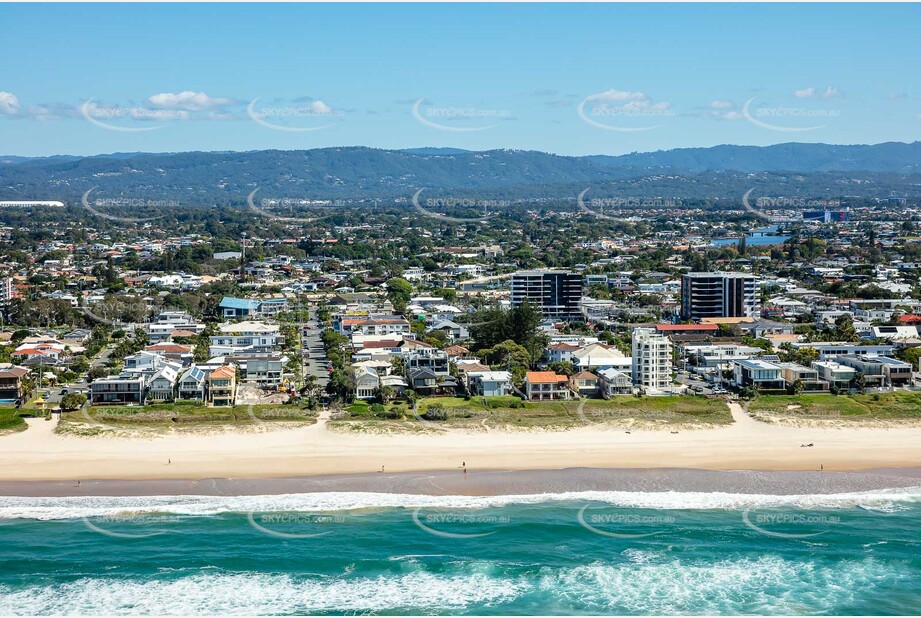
48, 508
259, 594
657, 585
766, 585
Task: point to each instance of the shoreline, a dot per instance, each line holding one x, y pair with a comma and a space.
491, 483
39, 454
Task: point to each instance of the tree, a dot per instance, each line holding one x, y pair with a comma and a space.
383, 394
519, 324
563, 367
73, 401
860, 382
844, 328
341, 385
599, 291
910, 355
399, 291
806, 356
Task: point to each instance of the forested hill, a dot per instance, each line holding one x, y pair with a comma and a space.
357, 172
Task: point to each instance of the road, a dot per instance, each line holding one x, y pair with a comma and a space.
315, 353
82, 386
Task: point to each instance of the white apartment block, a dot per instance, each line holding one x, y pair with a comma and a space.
652, 360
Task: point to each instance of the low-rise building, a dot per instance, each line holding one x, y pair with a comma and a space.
162, 385
432, 359
192, 384
366, 383
125, 388
838, 376
12, 389
245, 337
489, 383
758, 374
807, 376
613, 382
546, 386
878, 371
585, 384
222, 386
834, 349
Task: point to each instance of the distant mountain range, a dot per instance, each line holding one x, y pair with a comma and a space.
357, 172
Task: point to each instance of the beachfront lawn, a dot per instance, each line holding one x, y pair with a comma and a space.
10, 420
511, 412
880, 406
181, 415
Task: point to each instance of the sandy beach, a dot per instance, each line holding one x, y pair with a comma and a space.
746, 444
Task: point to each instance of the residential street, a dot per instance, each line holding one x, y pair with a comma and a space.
314, 353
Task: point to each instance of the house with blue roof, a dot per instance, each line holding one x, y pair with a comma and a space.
238, 308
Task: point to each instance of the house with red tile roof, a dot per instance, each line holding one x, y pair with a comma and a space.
546, 386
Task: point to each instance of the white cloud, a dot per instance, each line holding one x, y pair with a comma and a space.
805, 93
319, 107
186, 100
9, 104
724, 110
626, 103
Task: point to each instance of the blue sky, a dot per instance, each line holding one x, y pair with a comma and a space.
567, 78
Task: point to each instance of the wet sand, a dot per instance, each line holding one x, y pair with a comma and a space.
493, 482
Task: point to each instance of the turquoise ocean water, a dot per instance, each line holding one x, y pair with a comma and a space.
358, 553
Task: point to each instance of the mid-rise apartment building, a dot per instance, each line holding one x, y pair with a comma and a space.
719, 295
555, 292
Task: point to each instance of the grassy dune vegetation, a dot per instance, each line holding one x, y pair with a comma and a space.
882, 406
180, 416
511, 413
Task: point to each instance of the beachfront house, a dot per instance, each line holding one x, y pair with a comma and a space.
546, 386
162, 385
758, 374
366, 383
222, 386
808, 377
585, 384
612, 382
125, 388
12, 389
837, 375
192, 384
423, 381
489, 383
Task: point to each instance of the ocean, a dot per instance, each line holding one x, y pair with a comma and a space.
586, 552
